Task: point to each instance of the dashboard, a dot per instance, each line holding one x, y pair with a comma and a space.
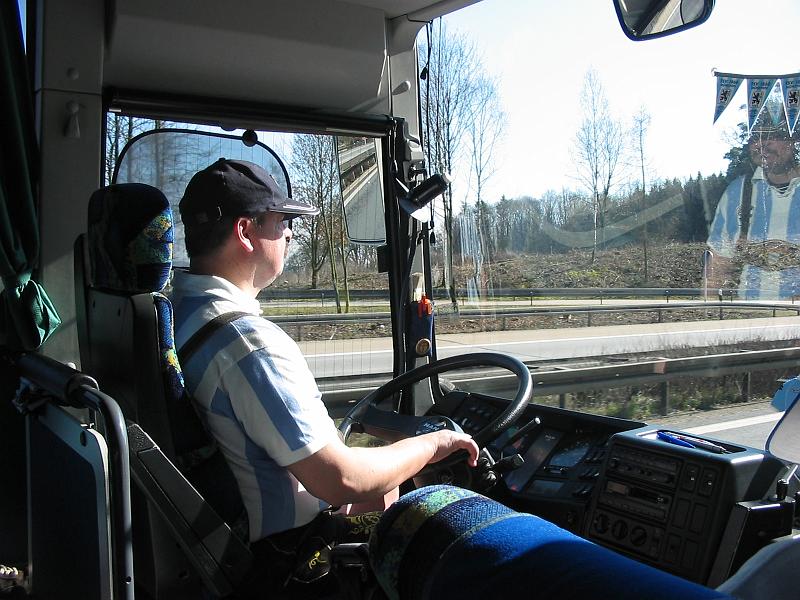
626, 485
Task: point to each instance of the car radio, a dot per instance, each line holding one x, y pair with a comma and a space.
665, 500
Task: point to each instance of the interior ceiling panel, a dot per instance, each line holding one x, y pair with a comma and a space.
324, 54
424, 9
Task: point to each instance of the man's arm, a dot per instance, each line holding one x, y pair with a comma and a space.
340, 475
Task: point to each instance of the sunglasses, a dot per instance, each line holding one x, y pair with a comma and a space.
285, 223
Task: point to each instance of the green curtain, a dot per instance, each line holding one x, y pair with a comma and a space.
27, 316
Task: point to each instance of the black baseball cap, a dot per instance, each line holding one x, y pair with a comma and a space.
236, 188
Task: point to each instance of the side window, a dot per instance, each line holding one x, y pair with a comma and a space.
330, 297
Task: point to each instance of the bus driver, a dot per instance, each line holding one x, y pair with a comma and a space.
257, 396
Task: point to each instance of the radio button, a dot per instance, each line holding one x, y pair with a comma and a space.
689, 478
707, 482
638, 535
661, 477
619, 529
601, 523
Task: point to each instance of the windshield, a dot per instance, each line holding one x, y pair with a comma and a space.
596, 214
595, 226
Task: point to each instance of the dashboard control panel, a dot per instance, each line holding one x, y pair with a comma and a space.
563, 453
662, 497
668, 504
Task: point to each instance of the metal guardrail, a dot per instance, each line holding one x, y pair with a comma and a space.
506, 313
667, 293
339, 393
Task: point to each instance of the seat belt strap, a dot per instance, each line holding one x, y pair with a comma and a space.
193, 344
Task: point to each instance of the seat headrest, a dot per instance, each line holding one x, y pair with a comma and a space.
415, 532
443, 543
130, 238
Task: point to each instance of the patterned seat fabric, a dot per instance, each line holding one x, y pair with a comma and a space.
130, 238
441, 542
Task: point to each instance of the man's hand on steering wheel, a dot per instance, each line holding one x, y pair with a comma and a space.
446, 442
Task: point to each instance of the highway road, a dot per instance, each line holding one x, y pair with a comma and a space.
342, 357
749, 424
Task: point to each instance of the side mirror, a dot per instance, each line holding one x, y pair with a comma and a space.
784, 441
647, 19
360, 177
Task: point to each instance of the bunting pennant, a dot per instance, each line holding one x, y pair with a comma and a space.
726, 88
776, 109
759, 87
790, 86
757, 92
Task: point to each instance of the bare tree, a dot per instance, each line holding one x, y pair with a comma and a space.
363, 257
483, 132
641, 123
119, 131
451, 66
316, 181
598, 151
559, 207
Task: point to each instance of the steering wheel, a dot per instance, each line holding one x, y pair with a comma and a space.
366, 416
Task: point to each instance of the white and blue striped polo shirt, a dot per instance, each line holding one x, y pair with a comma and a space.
775, 215
258, 398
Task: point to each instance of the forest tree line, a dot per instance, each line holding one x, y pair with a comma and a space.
530, 225
612, 202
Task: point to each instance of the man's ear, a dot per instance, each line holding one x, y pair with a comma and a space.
243, 228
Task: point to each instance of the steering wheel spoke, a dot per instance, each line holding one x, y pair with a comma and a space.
391, 426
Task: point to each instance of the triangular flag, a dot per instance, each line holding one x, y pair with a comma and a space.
775, 107
791, 100
757, 92
726, 88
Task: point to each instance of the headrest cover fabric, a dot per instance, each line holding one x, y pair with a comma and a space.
416, 530
130, 238
441, 542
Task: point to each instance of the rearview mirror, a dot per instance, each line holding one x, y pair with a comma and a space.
647, 19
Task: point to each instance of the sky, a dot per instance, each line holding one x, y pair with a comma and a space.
540, 51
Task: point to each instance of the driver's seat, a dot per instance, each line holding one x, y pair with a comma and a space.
122, 264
